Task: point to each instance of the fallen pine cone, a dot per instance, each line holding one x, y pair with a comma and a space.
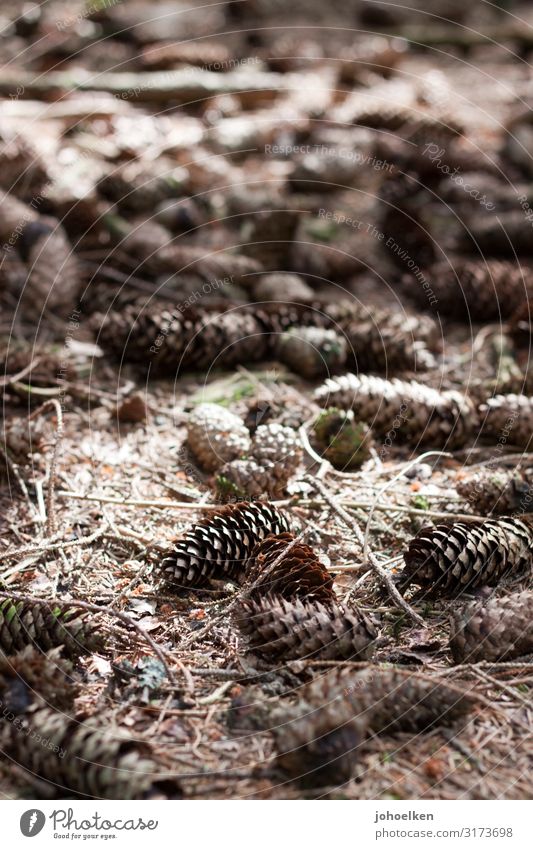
497, 492
319, 748
221, 545
484, 290
312, 351
31, 678
454, 558
298, 575
275, 455
278, 630
91, 761
318, 740
497, 630
415, 412
47, 626
53, 282
511, 415
346, 443
216, 436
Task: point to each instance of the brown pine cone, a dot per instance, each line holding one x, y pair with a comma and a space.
278, 629
299, 574
318, 747
53, 276
483, 290
506, 234
268, 237
391, 341
389, 700
135, 188
22, 438
510, 416
498, 491
14, 217
209, 55
31, 679
216, 436
312, 351
247, 479
497, 630
282, 287
449, 559
520, 323
416, 413
47, 626
86, 760
225, 339
22, 170
318, 740
221, 545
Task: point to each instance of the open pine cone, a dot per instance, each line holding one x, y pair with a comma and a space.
216, 436
415, 412
497, 630
451, 559
298, 575
221, 545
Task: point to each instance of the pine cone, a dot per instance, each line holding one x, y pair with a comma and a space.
22, 438
225, 339
497, 630
202, 54
317, 741
31, 679
388, 700
391, 341
267, 410
498, 492
506, 234
216, 436
135, 188
449, 559
14, 217
221, 545
381, 114
318, 748
484, 290
299, 575
86, 760
521, 322
22, 170
53, 280
282, 287
279, 630
413, 411
346, 443
247, 479
277, 444
510, 416
312, 351
43, 626
268, 237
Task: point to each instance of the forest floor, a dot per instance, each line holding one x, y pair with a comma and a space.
97, 490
